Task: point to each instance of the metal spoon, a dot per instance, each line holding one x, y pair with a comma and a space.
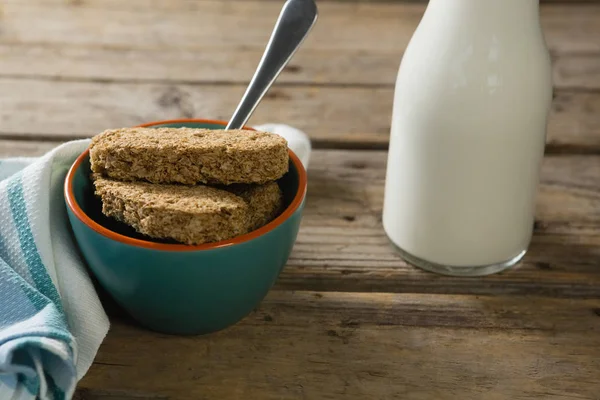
295, 21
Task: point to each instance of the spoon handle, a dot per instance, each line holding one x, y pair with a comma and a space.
295, 21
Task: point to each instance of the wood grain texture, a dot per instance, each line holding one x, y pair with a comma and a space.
342, 246
347, 318
317, 67
308, 345
185, 24
332, 116
24, 148
123, 63
185, 41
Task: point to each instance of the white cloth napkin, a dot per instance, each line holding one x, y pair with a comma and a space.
51, 320
297, 140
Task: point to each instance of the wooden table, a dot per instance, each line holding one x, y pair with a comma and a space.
347, 318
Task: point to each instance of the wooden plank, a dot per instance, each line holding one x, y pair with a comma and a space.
24, 148
577, 71
72, 62
342, 246
308, 345
206, 41
332, 116
199, 24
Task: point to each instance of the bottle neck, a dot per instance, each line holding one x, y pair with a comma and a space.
506, 11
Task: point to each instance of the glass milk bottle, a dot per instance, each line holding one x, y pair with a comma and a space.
471, 103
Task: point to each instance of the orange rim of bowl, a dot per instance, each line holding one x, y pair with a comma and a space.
291, 209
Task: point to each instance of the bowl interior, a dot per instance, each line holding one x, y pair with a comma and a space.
83, 190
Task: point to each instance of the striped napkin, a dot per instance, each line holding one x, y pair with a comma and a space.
51, 321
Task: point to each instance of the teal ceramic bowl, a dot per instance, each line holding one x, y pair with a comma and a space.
175, 288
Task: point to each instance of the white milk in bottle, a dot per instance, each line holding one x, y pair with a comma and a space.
471, 103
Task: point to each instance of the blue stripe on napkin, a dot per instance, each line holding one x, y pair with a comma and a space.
39, 356
38, 272
31, 384
17, 292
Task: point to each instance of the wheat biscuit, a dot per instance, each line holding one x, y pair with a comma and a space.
264, 202
189, 156
188, 214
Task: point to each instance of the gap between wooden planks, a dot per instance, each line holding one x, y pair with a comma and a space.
305, 345
342, 246
333, 117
